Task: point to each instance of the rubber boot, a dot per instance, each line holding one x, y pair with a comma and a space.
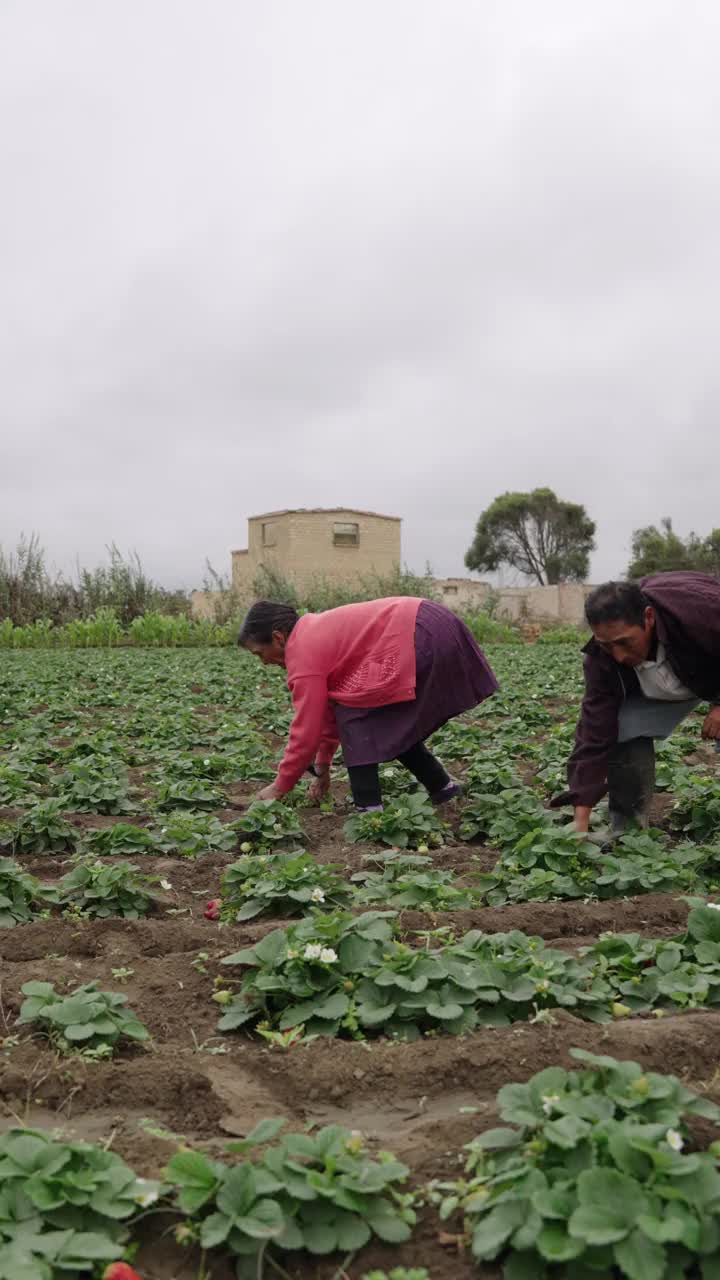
631, 783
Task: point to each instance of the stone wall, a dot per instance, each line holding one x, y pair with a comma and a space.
564, 603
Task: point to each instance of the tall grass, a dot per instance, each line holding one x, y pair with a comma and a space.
29, 590
322, 593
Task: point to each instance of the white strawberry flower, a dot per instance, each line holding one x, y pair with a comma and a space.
146, 1192
674, 1140
328, 956
165, 884
317, 895
548, 1102
313, 951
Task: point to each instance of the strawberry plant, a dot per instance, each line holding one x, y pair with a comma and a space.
190, 834
697, 807
121, 838
591, 1177
18, 893
645, 972
189, 793
489, 773
317, 1192
87, 1020
332, 973
502, 817
282, 885
243, 766
102, 889
15, 786
64, 1206
89, 789
44, 829
267, 826
405, 822
411, 881
396, 781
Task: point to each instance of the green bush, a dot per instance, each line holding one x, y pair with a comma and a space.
564, 635
487, 630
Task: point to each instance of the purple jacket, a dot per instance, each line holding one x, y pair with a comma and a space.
687, 613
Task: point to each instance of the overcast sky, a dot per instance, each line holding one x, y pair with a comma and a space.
395, 254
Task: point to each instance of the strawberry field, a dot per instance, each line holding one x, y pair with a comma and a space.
408, 1045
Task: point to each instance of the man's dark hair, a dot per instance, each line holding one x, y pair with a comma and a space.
616, 602
263, 619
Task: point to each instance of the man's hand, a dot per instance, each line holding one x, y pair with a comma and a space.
269, 793
711, 724
582, 817
320, 784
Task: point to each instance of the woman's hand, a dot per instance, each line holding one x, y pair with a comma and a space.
711, 725
320, 784
269, 793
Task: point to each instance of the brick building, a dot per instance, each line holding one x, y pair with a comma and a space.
334, 543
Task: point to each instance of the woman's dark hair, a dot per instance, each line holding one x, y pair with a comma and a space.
616, 602
263, 619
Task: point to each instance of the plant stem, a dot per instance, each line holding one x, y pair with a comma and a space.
260, 1261
341, 1273
277, 1268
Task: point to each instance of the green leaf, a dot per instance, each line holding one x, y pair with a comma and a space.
498, 1139
264, 1131
567, 1131
353, 1232
87, 1246
640, 1258
496, 1227
614, 1192
265, 1222
704, 924
320, 1237
215, 1230
597, 1225
554, 1244
389, 1226
272, 948
524, 1266
448, 1010
662, 1230
554, 1202
237, 1191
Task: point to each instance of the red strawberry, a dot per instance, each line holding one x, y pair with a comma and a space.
211, 912
120, 1271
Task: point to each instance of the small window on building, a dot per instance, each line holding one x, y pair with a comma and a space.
450, 590
346, 535
268, 535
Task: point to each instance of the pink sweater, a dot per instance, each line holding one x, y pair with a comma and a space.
360, 655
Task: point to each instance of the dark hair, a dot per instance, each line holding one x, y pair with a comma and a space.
616, 602
263, 619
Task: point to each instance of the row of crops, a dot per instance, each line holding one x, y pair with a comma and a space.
111, 762
589, 1175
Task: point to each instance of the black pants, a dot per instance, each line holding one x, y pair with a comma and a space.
365, 779
631, 782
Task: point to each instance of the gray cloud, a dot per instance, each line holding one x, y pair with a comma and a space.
396, 255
